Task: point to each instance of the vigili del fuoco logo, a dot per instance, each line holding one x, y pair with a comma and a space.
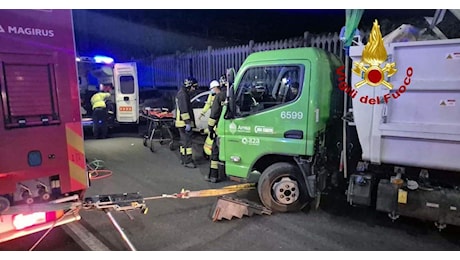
373, 70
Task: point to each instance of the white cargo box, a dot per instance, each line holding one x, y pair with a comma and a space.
421, 127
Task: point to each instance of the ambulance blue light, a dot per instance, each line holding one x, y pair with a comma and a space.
103, 59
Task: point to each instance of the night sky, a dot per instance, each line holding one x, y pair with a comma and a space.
139, 33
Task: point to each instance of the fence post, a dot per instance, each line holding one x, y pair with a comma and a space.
176, 57
336, 45
306, 36
251, 46
209, 70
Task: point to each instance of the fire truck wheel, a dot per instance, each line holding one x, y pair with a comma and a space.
281, 188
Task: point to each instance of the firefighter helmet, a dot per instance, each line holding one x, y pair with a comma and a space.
223, 80
190, 82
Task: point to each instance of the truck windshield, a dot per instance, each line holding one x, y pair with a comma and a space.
264, 87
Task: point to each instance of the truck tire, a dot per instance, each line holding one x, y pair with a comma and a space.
281, 188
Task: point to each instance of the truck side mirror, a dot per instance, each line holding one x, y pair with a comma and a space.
231, 107
230, 76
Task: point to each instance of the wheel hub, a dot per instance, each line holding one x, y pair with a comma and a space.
286, 191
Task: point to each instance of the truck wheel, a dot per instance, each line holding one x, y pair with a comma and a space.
281, 188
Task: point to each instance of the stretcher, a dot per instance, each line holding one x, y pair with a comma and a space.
160, 123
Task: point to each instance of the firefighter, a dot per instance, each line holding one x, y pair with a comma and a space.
216, 110
100, 113
185, 121
213, 86
210, 99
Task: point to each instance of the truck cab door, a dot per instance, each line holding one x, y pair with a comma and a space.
126, 92
268, 119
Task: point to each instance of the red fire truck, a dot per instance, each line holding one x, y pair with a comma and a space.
42, 160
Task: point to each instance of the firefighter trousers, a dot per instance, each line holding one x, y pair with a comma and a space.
214, 172
185, 145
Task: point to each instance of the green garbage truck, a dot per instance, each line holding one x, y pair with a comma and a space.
283, 127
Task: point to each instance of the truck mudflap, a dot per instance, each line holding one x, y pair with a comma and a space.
437, 204
309, 178
315, 181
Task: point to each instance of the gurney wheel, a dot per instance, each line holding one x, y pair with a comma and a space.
171, 146
162, 142
145, 142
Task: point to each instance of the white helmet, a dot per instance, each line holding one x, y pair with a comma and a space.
213, 84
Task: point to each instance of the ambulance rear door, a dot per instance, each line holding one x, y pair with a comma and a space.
126, 92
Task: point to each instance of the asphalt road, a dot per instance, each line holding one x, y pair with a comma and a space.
185, 224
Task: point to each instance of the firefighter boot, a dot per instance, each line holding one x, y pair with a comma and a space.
210, 179
212, 176
190, 164
188, 158
222, 176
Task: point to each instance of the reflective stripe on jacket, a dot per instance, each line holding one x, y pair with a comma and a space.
208, 103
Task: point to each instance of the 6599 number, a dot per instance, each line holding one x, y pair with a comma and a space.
291, 115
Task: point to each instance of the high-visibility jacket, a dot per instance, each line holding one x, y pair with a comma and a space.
208, 103
98, 100
207, 146
216, 108
184, 111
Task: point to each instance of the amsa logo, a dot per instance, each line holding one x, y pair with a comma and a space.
239, 128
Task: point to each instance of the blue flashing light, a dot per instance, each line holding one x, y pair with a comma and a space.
102, 59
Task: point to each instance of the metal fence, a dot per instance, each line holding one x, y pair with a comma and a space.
169, 71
